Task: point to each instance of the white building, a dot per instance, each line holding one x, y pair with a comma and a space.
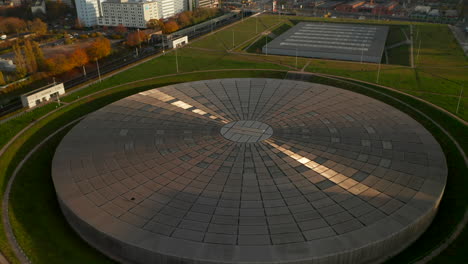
41, 95
176, 43
38, 7
88, 12
169, 8
128, 13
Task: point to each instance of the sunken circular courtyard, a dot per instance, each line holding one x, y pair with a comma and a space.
249, 171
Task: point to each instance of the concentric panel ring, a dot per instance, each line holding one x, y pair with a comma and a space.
249, 170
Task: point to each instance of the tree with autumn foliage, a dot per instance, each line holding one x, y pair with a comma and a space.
59, 64
2, 79
78, 24
170, 26
120, 29
136, 38
154, 24
79, 57
100, 48
12, 25
19, 60
185, 18
37, 26
39, 55
30, 59
56, 9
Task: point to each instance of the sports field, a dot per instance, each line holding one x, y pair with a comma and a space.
440, 71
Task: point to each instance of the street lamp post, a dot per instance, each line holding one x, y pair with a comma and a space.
296, 57
459, 98
98, 71
378, 73
176, 60
256, 25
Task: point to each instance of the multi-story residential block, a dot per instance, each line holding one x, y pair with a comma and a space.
88, 11
169, 8
128, 13
193, 4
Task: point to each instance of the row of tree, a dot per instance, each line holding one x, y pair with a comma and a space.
29, 58
136, 37
98, 49
15, 25
184, 19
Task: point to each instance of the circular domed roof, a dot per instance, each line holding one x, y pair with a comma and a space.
249, 170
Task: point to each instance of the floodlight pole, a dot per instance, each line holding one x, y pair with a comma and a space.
139, 40
233, 38
84, 71
256, 25
98, 71
419, 48
362, 52
266, 45
242, 10
459, 98
176, 60
296, 57
378, 73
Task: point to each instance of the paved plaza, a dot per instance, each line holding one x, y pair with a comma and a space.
249, 171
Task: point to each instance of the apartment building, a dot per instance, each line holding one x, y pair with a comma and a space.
169, 8
135, 14
192, 4
88, 11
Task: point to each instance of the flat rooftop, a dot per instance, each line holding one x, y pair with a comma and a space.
50, 85
336, 41
239, 171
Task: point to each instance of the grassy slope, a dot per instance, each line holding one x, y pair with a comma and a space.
10, 128
35, 187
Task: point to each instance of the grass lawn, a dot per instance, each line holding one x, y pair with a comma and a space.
236, 34
396, 35
11, 127
188, 59
399, 55
33, 224
441, 67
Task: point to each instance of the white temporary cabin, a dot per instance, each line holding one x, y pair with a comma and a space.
41, 95
178, 42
